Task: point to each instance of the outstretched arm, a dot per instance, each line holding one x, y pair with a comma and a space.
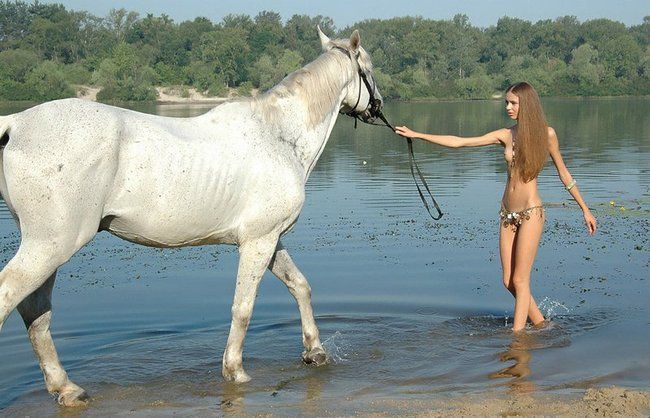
568, 181
491, 138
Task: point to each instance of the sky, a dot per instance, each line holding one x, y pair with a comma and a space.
482, 13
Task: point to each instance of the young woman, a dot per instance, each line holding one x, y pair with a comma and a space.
527, 146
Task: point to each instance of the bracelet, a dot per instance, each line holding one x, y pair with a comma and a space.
570, 185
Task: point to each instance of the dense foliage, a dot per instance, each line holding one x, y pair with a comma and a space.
45, 50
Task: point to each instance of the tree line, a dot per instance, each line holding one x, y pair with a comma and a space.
46, 51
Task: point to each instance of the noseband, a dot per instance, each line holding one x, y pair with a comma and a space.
375, 111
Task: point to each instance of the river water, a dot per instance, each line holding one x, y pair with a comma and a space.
408, 308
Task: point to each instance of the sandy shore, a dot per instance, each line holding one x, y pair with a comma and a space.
607, 402
165, 95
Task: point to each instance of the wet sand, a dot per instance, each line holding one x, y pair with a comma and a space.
608, 402
141, 402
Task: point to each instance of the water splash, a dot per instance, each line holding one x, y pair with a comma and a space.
552, 308
338, 349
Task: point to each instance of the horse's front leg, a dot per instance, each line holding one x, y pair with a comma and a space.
284, 269
254, 257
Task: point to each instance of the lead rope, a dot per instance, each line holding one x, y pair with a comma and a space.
414, 167
412, 163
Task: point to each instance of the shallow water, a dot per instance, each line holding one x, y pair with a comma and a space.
407, 307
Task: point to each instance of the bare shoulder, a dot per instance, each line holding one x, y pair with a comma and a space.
504, 135
553, 143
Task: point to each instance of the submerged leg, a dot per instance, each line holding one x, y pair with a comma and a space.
507, 247
254, 258
26, 283
36, 311
284, 268
526, 244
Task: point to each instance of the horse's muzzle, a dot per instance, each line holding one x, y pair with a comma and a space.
373, 111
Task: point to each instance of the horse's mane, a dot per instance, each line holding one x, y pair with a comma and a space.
317, 84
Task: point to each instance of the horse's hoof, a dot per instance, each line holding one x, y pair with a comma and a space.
73, 395
238, 376
316, 356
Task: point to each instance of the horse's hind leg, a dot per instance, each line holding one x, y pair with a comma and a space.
27, 271
26, 283
284, 268
254, 258
36, 311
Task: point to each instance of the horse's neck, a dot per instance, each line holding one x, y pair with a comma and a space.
305, 106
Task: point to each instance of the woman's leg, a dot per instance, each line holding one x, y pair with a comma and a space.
507, 247
524, 250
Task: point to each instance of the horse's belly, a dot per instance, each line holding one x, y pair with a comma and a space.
162, 231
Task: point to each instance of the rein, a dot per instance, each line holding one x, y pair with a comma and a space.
413, 166
375, 110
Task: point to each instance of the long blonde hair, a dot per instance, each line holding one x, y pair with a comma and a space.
532, 132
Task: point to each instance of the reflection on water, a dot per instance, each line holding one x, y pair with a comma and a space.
407, 307
519, 353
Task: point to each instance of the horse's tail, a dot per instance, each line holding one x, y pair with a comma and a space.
5, 129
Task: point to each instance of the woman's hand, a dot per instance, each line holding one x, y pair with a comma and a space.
590, 221
405, 132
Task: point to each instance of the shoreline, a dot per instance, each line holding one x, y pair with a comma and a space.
166, 95
171, 96
520, 400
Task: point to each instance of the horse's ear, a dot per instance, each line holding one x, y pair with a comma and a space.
355, 41
324, 40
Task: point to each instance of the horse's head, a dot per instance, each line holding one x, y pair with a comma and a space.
363, 98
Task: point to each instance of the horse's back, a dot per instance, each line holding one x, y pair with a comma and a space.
151, 179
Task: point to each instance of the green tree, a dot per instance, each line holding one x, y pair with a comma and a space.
585, 72
120, 23
125, 77
621, 56
238, 21
54, 32
268, 71
642, 32
266, 34
555, 38
15, 20
463, 46
510, 36
598, 31
300, 35
47, 82
527, 68
477, 86
15, 64
228, 52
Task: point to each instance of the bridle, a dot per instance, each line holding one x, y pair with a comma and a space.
374, 104
374, 108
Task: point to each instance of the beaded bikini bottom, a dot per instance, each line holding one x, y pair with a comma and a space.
514, 219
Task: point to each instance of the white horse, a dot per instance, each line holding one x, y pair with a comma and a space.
235, 175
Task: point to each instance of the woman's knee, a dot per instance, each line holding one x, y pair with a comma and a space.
520, 282
507, 282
